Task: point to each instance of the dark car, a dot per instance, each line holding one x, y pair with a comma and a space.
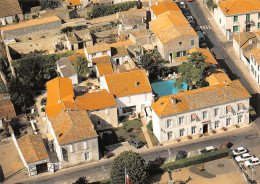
181, 155
136, 143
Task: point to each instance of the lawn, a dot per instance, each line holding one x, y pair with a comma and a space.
153, 138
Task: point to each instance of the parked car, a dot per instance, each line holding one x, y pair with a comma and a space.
225, 144
244, 157
190, 0
182, 5
207, 149
239, 151
181, 155
190, 19
136, 143
252, 162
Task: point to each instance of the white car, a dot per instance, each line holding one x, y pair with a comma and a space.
252, 162
239, 151
244, 157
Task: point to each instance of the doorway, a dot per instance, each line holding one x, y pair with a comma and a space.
117, 61
41, 168
205, 128
247, 27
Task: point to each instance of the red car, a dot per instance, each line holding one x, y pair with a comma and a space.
190, 0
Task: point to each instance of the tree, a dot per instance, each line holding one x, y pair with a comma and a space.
210, 4
151, 61
81, 180
193, 72
134, 165
52, 4
81, 66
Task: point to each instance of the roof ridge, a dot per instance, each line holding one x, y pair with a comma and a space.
33, 146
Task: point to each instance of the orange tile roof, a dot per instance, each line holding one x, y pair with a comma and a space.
96, 100
104, 69
59, 89
205, 52
73, 58
233, 7
32, 22
74, 2
218, 77
32, 148
256, 54
244, 38
72, 126
200, 98
9, 8
163, 7
169, 26
128, 83
101, 59
7, 110
106, 47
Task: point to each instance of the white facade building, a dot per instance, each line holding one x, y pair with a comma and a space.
200, 111
255, 64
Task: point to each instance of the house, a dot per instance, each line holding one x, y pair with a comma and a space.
131, 13
7, 111
62, 14
237, 15
66, 69
76, 3
33, 154
31, 26
243, 43
131, 89
119, 55
101, 107
78, 39
255, 64
140, 37
74, 138
10, 11
104, 69
173, 35
217, 76
130, 24
199, 111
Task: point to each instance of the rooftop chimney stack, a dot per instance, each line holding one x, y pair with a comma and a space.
174, 100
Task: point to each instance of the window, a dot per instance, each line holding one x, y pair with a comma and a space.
85, 144
192, 42
258, 25
168, 123
219, 21
72, 148
258, 15
98, 122
129, 109
104, 53
248, 17
193, 117
169, 135
181, 120
216, 124
193, 130
235, 28
235, 18
88, 156
239, 119
79, 146
216, 112
135, 27
94, 55
180, 43
228, 109
204, 114
181, 132
228, 121
239, 106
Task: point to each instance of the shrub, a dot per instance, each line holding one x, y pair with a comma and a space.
149, 126
237, 126
189, 136
224, 128
213, 131
206, 157
178, 140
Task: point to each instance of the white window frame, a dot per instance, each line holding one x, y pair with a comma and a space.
193, 129
216, 124
206, 113
228, 121
168, 123
239, 119
181, 132
216, 110
169, 137
181, 120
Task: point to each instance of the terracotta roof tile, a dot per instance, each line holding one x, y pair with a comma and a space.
74, 2
200, 98
32, 22
96, 100
101, 59
104, 69
32, 148
6, 107
210, 58
132, 11
256, 54
218, 77
244, 38
140, 33
163, 7
233, 7
128, 83
118, 51
9, 8
72, 126
73, 58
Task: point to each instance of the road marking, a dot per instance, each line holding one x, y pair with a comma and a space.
204, 27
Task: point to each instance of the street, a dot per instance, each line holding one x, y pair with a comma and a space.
247, 137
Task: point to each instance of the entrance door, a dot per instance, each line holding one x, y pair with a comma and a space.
41, 168
247, 27
117, 61
205, 128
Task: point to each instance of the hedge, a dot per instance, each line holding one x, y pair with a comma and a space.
109, 9
206, 157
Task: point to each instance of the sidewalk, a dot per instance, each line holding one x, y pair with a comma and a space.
146, 135
244, 71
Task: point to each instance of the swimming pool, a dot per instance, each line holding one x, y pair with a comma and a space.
165, 88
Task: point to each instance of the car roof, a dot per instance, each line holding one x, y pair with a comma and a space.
245, 154
240, 148
254, 159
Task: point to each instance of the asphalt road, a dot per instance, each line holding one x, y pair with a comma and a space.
247, 137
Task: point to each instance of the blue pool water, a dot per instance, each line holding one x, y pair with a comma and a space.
165, 88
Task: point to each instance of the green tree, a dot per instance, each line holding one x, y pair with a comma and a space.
81, 180
81, 66
51, 4
151, 61
210, 4
134, 165
193, 72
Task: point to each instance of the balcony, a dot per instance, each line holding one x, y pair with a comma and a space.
251, 22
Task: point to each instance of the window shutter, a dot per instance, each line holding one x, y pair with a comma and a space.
72, 148
209, 114
108, 111
86, 145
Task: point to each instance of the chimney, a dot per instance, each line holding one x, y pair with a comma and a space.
136, 83
174, 100
59, 101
